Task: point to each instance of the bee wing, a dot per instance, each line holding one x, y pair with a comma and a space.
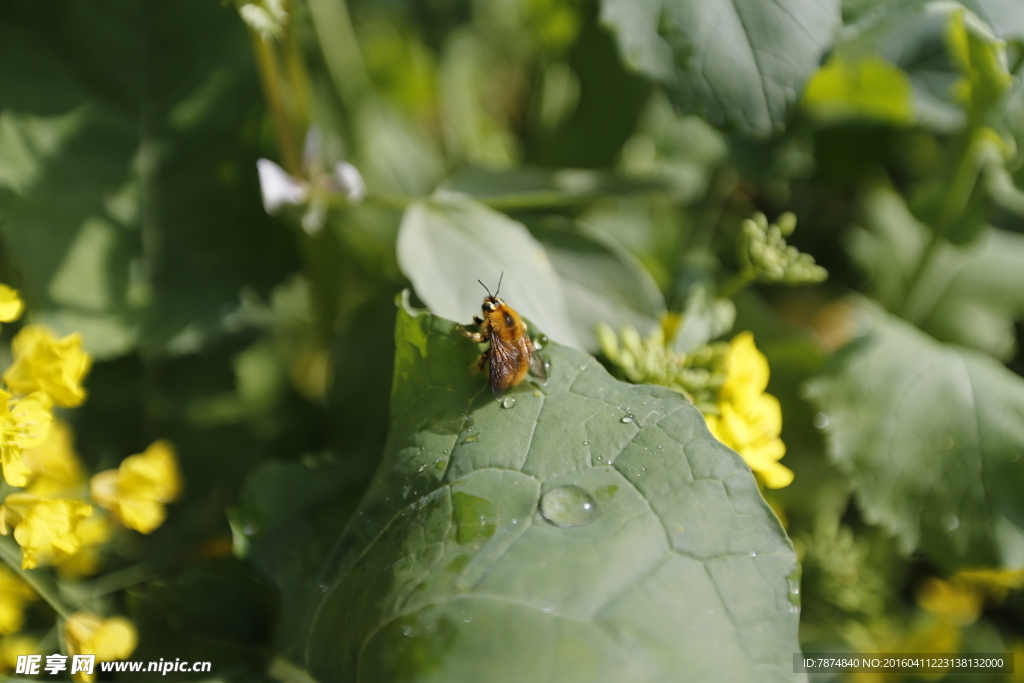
505, 359
537, 366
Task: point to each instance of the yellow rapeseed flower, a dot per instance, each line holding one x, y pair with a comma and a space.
14, 594
44, 363
110, 639
94, 531
137, 491
749, 420
24, 423
54, 468
993, 584
953, 602
47, 530
13, 646
11, 304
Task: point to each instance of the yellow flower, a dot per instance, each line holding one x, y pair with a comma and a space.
11, 304
110, 639
54, 467
13, 646
994, 584
749, 420
14, 594
94, 531
47, 530
24, 423
45, 363
137, 491
953, 602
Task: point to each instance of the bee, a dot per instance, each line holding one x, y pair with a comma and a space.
511, 353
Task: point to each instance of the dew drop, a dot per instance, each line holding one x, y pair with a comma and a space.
627, 419
950, 523
794, 590
587, 442
509, 402
471, 438
568, 506
820, 420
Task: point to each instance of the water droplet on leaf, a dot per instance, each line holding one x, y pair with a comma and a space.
509, 402
820, 420
627, 419
568, 506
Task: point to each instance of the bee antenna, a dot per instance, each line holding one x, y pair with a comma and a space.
485, 287
498, 290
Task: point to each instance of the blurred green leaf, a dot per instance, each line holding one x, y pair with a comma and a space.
930, 436
284, 523
602, 281
955, 64
446, 244
449, 571
1003, 16
969, 295
870, 89
590, 132
215, 610
740, 64
127, 213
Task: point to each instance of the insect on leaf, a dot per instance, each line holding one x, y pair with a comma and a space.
586, 530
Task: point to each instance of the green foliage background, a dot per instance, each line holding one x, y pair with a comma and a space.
603, 155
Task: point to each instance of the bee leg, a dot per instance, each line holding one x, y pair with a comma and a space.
481, 360
472, 336
477, 320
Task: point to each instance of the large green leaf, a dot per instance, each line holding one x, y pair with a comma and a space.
931, 436
969, 295
446, 244
602, 281
451, 570
740, 63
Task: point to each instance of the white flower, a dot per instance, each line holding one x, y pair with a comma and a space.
350, 182
279, 188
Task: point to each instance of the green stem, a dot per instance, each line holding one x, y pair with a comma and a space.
121, 579
949, 207
914, 283
734, 284
291, 157
10, 553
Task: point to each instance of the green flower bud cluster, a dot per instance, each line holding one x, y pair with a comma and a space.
765, 256
698, 375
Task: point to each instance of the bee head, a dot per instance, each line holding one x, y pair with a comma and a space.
491, 301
